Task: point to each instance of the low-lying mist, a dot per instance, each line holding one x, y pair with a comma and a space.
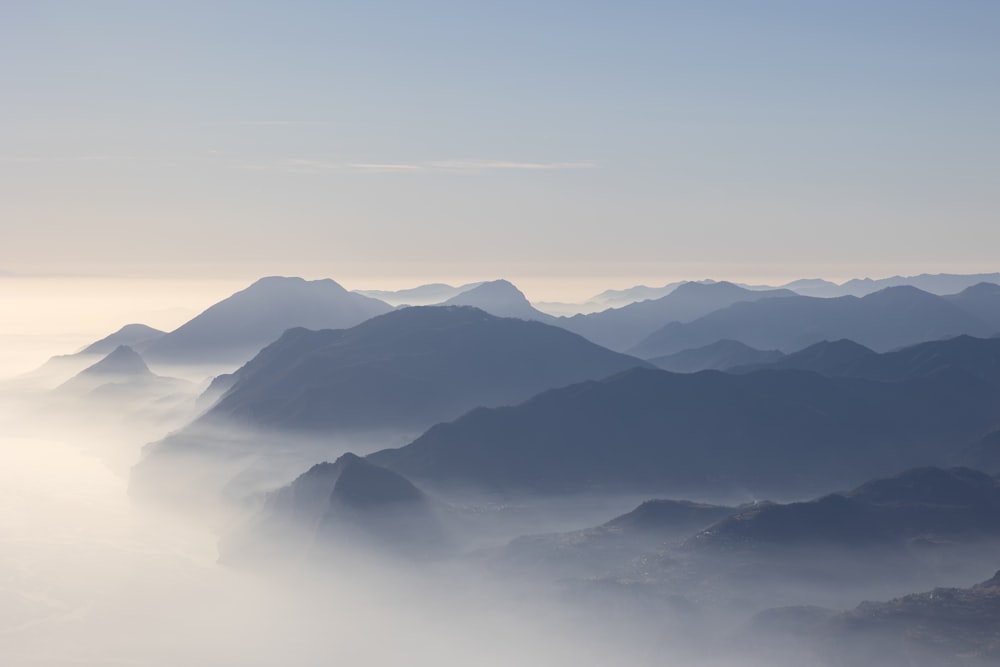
116, 548
91, 579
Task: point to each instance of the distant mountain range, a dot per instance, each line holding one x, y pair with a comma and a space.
621, 328
133, 335
235, 329
767, 433
975, 357
942, 283
122, 375
423, 295
892, 318
392, 377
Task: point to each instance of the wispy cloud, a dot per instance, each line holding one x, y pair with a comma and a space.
480, 165
306, 165
265, 122
42, 159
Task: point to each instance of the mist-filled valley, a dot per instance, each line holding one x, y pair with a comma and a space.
475, 482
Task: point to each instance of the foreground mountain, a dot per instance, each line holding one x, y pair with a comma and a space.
718, 356
407, 369
236, 328
350, 504
377, 384
892, 318
771, 433
621, 328
946, 626
502, 299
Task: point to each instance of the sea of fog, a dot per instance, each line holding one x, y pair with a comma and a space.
88, 578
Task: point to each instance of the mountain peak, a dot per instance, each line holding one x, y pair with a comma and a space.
500, 298
133, 335
363, 484
122, 361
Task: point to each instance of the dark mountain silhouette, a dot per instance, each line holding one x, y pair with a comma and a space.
975, 357
350, 504
236, 328
621, 328
654, 431
839, 358
892, 318
669, 517
500, 298
385, 380
408, 369
423, 295
984, 454
719, 356
135, 336
929, 504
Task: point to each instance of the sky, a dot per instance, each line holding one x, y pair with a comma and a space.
398, 142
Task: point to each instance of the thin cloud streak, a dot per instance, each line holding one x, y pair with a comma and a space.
313, 166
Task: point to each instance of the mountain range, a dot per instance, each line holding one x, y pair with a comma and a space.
621, 328
407, 369
718, 356
892, 318
771, 433
233, 330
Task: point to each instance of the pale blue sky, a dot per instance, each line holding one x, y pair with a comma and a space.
451, 140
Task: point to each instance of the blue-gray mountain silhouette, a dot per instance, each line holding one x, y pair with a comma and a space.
500, 298
350, 503
946, 626
408, 369
975, 357
772, 432
718, 356
422, 295
136, 336
892, 318
930, 504
61, 367
122, 374
237, 327
595, 551
621, 328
